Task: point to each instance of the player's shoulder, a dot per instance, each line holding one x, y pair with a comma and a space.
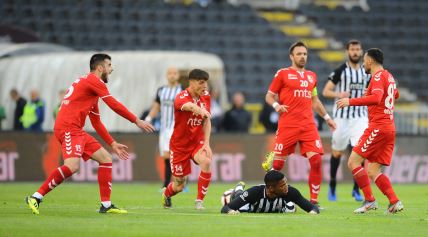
184, 94
342, 67
382, 75
282, 71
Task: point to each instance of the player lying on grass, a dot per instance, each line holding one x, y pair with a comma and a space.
275, 196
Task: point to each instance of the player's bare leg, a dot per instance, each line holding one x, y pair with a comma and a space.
384, 185
177, 185
363, 181
104, 159
315, 175
71, 165
204, 161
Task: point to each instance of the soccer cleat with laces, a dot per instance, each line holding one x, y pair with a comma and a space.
112, 209
394, 208
166, 201
199, 205
268, 163
33, 203
367, 206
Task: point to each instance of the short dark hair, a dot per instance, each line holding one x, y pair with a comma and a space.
98, 59
198, 74
353, 42
272, 177
376, 54
297, 44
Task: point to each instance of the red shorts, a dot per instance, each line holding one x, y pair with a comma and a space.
376, 145
180, 161
307, 137
77, 144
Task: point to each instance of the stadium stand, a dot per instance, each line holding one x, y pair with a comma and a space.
397, 27
251, 48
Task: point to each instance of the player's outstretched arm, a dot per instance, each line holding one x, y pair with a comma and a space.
295, 196
372, 99
191, 107
145, 125
120, 150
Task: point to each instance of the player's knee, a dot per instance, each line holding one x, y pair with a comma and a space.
205, 164
351, 165
179, 184
372, 173
107, 158
74, 167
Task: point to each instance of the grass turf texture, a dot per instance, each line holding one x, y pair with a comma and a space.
71, 210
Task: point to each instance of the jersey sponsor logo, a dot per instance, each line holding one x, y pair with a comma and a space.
193, 122
292, 77
303, 93
355, 86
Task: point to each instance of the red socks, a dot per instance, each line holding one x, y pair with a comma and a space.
203, 183
278, 164
363, 181
55, 179
104, 181
384, 185
315, 177
169, 192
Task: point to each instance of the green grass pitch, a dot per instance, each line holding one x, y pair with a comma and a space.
70, 210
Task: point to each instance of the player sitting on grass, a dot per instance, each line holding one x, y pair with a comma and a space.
275, 196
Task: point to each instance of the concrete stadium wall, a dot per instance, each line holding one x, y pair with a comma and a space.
31, 157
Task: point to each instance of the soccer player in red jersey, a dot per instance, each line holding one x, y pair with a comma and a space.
80, 101
377, 143
293, 94
190, 139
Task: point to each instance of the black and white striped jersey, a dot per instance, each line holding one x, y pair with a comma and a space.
354, 81
165, 97
258, 201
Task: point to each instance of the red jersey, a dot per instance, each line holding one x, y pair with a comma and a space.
188, 128
380, 97
295, 90
81, 100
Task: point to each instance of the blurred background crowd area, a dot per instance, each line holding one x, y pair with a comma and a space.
45, 45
